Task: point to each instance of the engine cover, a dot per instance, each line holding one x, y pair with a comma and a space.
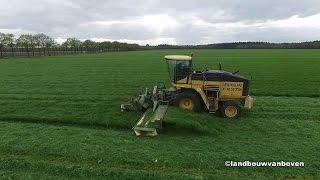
222, 76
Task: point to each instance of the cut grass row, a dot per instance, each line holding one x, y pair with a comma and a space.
100, 112
196, 146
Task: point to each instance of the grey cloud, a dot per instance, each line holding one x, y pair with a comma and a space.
65, 18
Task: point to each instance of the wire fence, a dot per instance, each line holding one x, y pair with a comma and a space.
28, 52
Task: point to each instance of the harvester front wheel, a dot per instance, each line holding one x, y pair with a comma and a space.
230, 110
189, 101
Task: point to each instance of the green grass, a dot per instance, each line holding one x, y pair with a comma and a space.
60, 118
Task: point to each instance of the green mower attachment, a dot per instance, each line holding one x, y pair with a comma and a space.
154, 106
150, 121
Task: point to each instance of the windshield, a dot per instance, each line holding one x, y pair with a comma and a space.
178, 69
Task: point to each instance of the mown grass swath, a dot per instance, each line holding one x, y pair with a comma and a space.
60, 117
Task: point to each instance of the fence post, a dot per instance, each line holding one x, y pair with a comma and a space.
28, 51
12, 51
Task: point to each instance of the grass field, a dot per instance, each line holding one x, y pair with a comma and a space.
60, 118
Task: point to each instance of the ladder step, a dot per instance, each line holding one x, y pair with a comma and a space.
212, 89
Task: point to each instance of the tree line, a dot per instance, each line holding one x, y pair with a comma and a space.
44, 45
246, 45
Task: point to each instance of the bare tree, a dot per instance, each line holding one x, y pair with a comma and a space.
49, 43
43, 41
73, 43
89, 45
10, 40
25, 41
2, 41
106, 45
6, 40
33, 43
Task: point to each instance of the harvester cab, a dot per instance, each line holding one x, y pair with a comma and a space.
179, 67
215, 91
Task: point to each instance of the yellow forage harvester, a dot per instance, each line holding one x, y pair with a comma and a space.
215, 91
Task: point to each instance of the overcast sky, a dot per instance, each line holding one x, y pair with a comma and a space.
165, 21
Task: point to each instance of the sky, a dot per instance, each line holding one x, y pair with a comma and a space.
177, 22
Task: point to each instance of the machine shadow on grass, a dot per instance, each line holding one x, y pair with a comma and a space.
185, 122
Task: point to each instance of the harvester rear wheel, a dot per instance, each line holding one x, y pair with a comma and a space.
189, 101
230, 110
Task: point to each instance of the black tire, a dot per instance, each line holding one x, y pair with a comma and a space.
234, 111
196, 100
